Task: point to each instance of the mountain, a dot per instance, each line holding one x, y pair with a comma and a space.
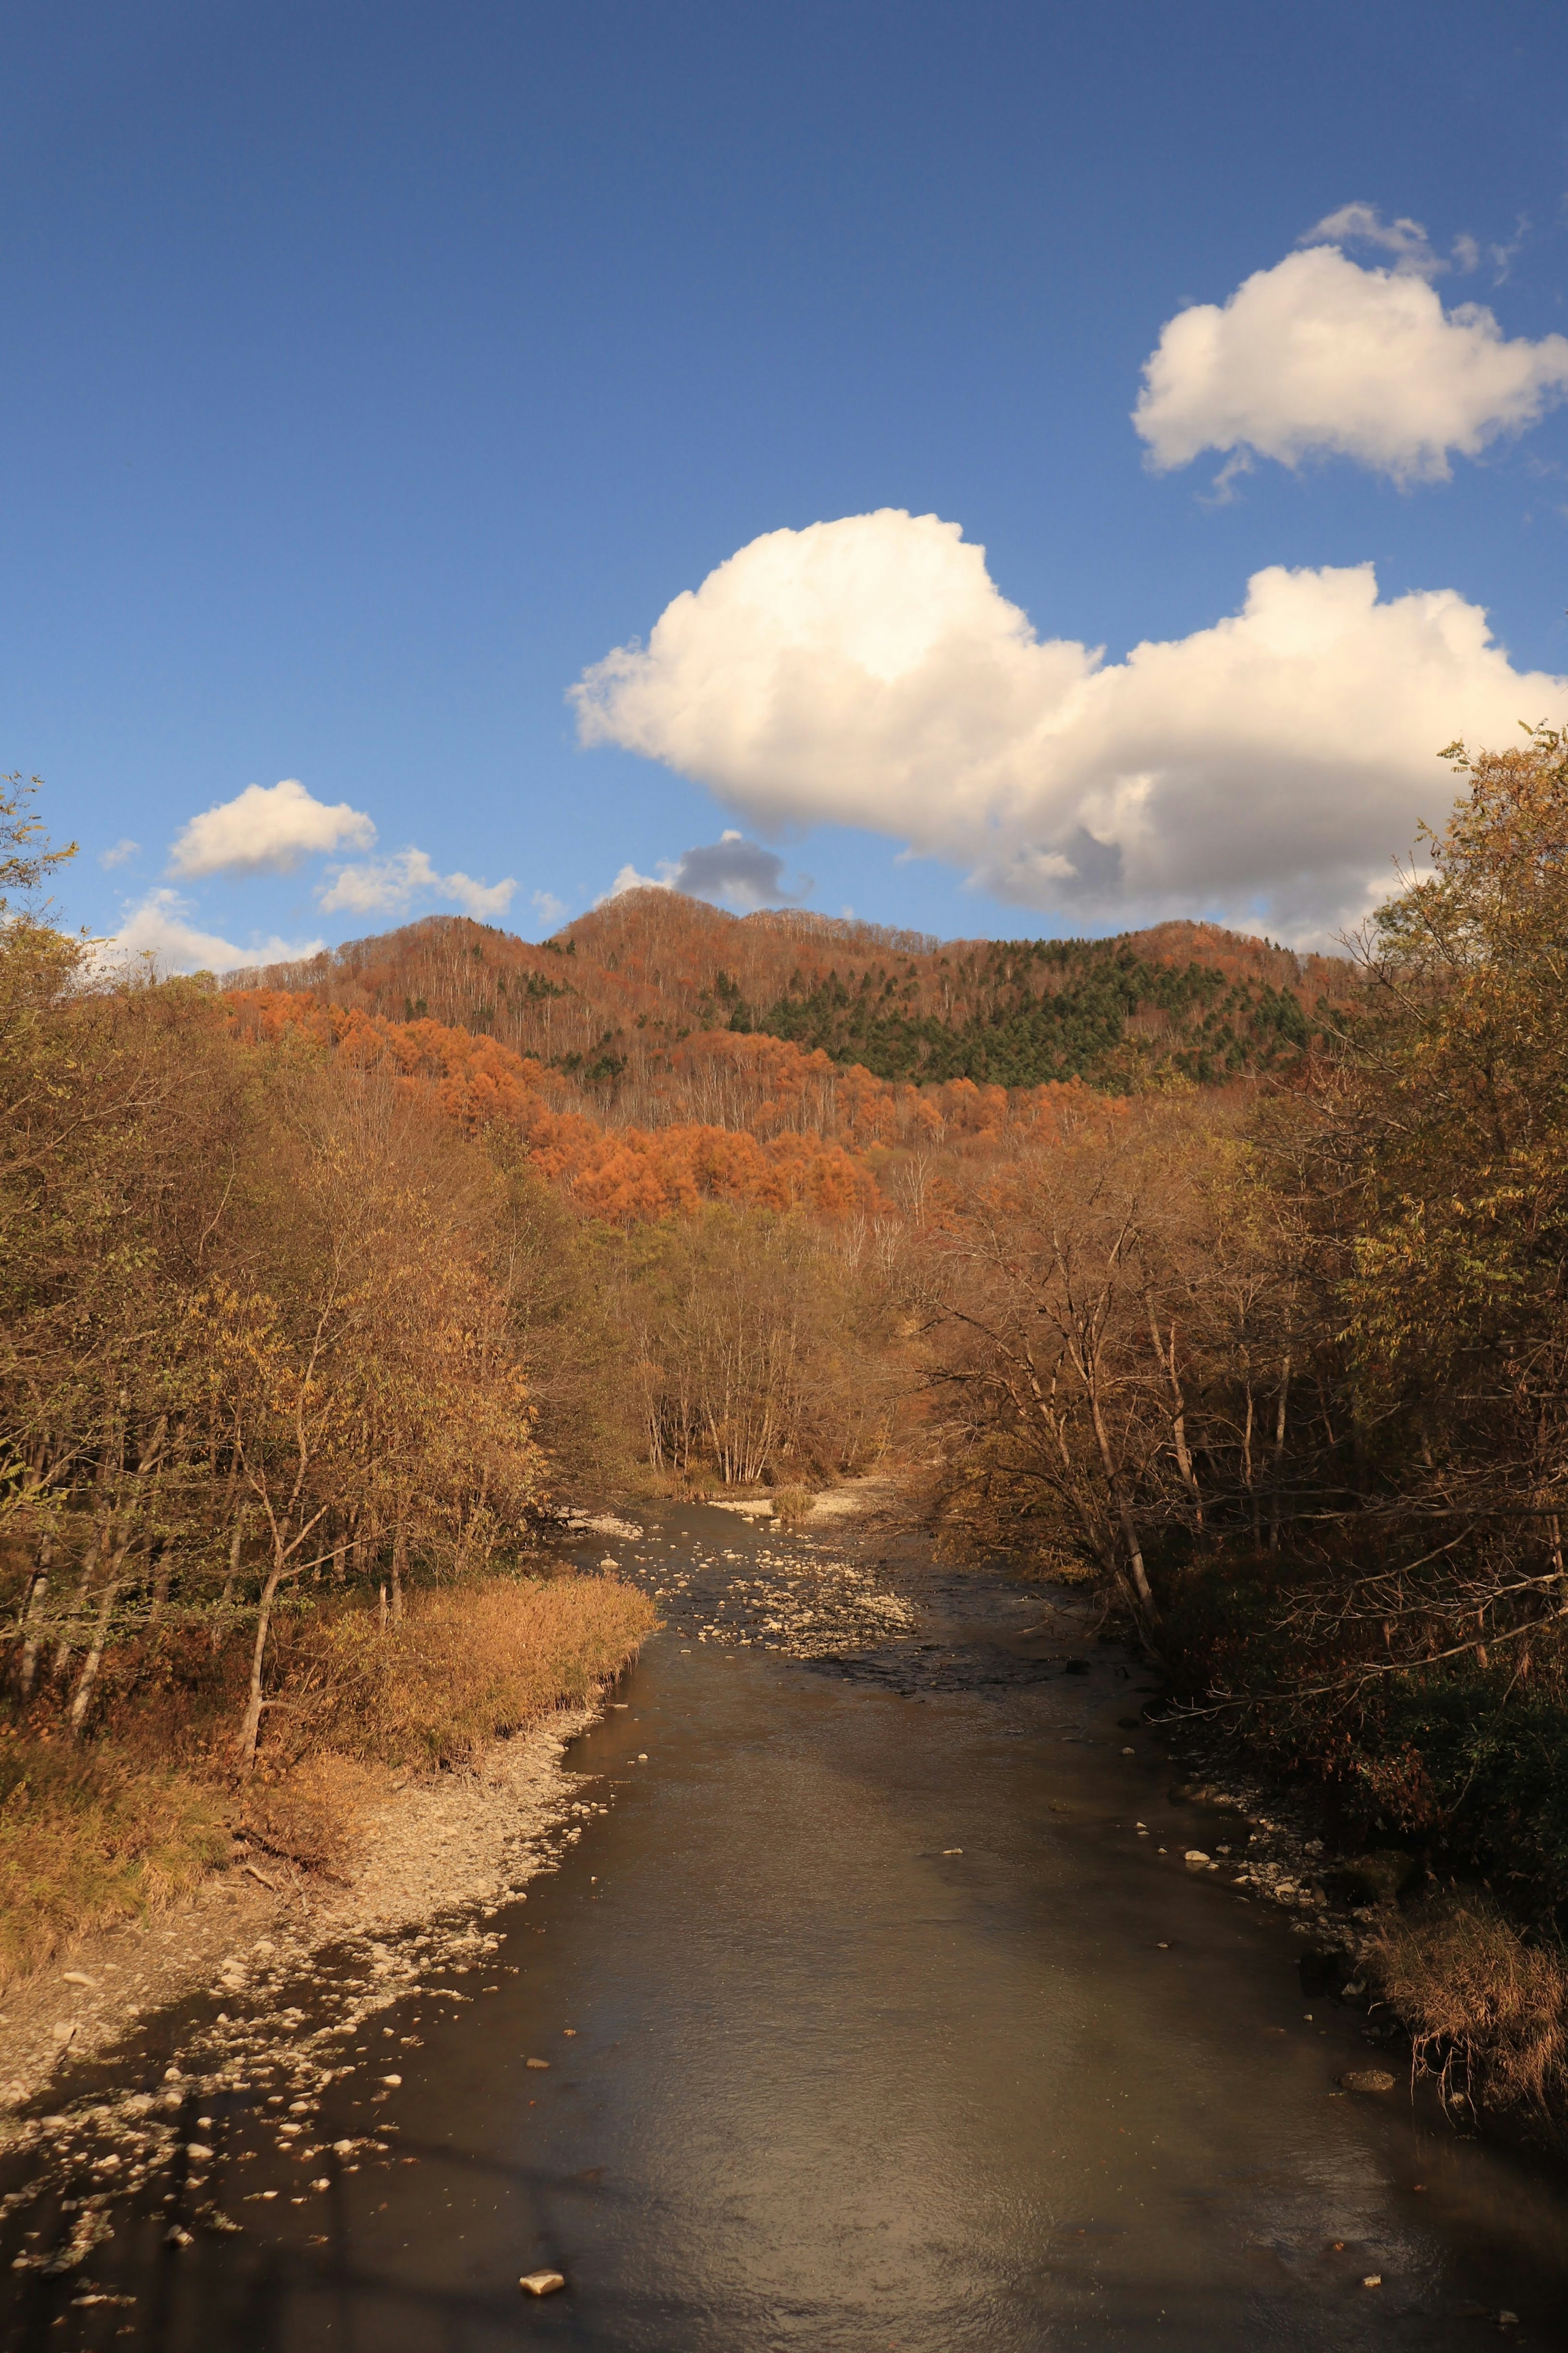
639, 1003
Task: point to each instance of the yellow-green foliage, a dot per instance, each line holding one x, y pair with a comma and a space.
468, 1663
89, 1837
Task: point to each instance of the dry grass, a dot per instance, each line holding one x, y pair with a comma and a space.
792, 1504
89, 1837
1488, 2013
467, 1664
112, 1829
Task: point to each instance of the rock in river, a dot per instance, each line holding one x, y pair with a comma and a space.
1367, 2079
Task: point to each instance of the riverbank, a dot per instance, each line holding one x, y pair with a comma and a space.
418, 1779
861, 2012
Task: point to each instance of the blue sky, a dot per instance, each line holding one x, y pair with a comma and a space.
374, 372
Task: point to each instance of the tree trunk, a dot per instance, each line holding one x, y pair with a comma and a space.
94, 1658
1123, 1512
399, 1570
95, 1549
227, 1596
1278, 1458
35, 1608
251, 1725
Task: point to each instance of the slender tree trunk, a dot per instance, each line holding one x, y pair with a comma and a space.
251, 1725
236, 1538
94, 1659
35, 1609
1123, 1512
399, 1570
95, 1550
1278, 1458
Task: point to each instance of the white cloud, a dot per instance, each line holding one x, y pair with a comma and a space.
160, 928
868, 672
123, 849
388, 886
267, 828
1318, 357
549, 910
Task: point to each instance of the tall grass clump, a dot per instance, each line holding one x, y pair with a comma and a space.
465, 1666
1487, 2011
89, 1837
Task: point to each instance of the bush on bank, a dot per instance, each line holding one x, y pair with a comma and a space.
122, 1824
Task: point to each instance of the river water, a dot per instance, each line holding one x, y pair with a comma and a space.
871, 2022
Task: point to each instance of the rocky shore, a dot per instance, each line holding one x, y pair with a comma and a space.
438, 1858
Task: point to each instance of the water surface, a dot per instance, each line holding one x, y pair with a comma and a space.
830, 2084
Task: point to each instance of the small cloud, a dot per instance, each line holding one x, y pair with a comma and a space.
388, 886
1405, 240
549, 910
117, 855
1320, 357
159, 929
268, 830
741, 872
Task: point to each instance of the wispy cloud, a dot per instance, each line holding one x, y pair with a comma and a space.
159, 930
390, 886
122, 850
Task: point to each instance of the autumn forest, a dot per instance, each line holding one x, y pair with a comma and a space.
1221, 1283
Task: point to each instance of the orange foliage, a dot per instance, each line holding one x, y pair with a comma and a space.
618, 1174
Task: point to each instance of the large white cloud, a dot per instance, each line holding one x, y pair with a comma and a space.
159, 930
267, 828
389, 886
868, 672
1320, 357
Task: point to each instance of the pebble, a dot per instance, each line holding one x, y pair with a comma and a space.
1197, 1857
542, 2282
537, 2062
1367, 2079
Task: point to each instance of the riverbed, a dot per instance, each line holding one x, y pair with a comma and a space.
874, 2007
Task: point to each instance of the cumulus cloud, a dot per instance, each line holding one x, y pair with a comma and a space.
741, 872
868, 672
267, 828
122, 849
1320, 357
389, 886
549, 910
160, 928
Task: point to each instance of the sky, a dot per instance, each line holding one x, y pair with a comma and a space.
996, 470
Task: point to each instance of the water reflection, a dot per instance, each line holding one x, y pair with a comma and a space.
831, 2084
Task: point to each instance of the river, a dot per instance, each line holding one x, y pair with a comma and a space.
871, 2023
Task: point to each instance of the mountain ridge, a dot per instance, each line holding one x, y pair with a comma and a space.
620, 1000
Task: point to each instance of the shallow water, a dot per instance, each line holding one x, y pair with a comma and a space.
830, 2085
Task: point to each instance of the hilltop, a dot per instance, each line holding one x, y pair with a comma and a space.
631, 1001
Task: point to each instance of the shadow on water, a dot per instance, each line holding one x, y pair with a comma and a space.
871, 2022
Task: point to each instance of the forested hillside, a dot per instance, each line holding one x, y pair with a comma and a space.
628, 1001
315, 1295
